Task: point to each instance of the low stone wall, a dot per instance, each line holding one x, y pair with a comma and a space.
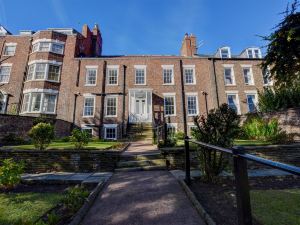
20, 125
64, 160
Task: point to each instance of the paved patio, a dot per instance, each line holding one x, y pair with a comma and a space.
141, 147
143, 198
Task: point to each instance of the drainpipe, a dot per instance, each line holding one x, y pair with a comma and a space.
183, 99
74, 110
102, 99
124, 100
216, 83
78, 72
24, 79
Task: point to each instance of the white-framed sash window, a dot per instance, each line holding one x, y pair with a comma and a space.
248, 75
229, 75
48, 45
189, 74
169, 104
89, 106
192, 104
168, 74
5, 70
140, 74
110, 131
233, 101
111, 106
44, 70
91, 76
10, 49
112, 75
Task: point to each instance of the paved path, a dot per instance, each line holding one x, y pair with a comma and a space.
141, 147
143, 198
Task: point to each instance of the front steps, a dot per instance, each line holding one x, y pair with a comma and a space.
141, 162
141, 131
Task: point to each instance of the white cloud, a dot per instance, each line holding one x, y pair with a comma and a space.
60, 12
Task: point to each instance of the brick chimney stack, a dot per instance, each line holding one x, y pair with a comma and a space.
92, 42
189, 45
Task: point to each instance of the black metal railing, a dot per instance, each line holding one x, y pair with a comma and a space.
240, 173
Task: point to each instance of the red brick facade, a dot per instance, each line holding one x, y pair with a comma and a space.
141, 87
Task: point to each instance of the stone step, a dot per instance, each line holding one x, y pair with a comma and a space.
143, 168
141, 163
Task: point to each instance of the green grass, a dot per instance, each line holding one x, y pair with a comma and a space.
276, 207
25, 208
251, 142
67, 145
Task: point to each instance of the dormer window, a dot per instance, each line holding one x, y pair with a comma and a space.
225, 53
253, 53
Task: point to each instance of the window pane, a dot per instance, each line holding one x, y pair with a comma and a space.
232, 102
88, 106
140, 76
251, 103
192, 105
35, 47
40, 71
224, 53
111, 132
30, 72
53, 72
9, 50
44, 46
228, 76
250, 54
111, 106
4, 74
49, 103
57, 48
247, 76
91, 76
36, 102
26, 99
112, 76
189, 76
256, 52
168, 76
169, 105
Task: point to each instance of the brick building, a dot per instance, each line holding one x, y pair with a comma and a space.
62, 73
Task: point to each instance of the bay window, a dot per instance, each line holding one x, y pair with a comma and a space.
39, 102
49, 71
48, 45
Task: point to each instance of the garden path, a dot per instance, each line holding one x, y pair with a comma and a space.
143, 198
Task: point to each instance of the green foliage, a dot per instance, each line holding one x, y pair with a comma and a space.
220, 128
10, 173
80, 138
258, 128
43, 119
75, 198
279, 99
52, 218
179, 135
42, 134
283, 50
65, 139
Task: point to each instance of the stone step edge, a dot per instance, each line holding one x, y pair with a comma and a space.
141, 168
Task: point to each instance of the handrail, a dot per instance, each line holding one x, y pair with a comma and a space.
278, 165
240, 174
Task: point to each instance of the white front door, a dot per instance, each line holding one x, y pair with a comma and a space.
140, 105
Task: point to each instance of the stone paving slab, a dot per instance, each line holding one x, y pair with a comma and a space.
142, 198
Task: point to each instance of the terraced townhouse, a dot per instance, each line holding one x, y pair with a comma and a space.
62, 73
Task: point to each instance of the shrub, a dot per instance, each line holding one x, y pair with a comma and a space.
80, 138
10, 173
42, 134
13, 139
220, 128
75, 198
65, 139
179, 135
43, 119
258, 128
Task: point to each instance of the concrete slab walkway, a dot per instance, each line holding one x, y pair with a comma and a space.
142, 198
141, 147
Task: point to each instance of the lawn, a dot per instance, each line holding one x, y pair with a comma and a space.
251, 142
25, 208
276, 207
68, 145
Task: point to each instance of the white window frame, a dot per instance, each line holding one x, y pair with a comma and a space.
251, 74
106, 98
229, 52
86, 75
88, 127
253, 53
270, 81
140, 67
112, 67
252, 92
237, 100
197, 104
46, 72
43, 92
185, 67
168, 67
170, 95
229, 66
172, 125
4, 101
114, 126
10, 45
6, 65
50, 48
94, 107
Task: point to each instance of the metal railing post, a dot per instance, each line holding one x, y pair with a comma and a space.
242, 189
187, 161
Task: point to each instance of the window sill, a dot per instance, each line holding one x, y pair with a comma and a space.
108, 116
190, 84
112, 84
4, 82
192, 115
169, 115
90, 85
9, 55
87, 116
169, 84
140, 84
40, 80
230, 85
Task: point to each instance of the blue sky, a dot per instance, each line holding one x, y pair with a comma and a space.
152, 26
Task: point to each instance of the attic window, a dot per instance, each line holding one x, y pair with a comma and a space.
225, 53
253, 53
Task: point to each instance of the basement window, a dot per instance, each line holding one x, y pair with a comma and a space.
110, 131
